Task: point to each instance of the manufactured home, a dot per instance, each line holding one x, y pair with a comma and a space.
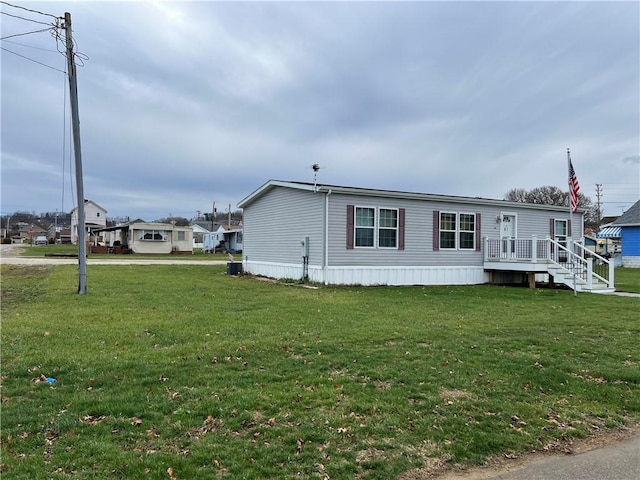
149, 237
359, 236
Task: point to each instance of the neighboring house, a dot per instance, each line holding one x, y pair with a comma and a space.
608, 238
232, 236
95, 219
198, 232
28, 233
629, 225
346, 235
64, 236
149, 237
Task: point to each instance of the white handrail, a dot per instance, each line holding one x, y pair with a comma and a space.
574, 257
607, 266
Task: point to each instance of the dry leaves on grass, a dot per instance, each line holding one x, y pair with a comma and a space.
92, 419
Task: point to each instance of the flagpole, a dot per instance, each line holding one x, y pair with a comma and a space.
570, 232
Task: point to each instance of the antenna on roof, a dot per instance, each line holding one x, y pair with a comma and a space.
316, 168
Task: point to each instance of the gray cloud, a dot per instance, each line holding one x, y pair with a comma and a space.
183, 103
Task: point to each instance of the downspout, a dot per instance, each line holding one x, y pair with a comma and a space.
325, 266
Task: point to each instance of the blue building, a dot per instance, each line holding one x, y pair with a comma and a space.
629, 224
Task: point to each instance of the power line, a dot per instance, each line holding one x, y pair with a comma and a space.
33, 46
29, 10
34, 61
24, 18
26, 33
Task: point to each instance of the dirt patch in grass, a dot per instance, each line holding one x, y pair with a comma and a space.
450, 395
440, 470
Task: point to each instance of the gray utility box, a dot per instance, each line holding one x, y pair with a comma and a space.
234, 268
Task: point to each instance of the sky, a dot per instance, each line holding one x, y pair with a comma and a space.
183, 104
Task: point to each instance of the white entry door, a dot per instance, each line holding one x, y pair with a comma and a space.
508, 235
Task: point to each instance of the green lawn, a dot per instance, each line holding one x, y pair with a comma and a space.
627, 279
183, 372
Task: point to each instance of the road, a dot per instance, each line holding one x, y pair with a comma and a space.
615, 457
10, 255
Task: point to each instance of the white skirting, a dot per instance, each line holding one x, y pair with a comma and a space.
631, 261
383, 275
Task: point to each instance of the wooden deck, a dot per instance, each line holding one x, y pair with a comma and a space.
570, 264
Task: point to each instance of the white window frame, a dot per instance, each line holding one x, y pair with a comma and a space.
461, 231
396, 228
376, 227
356, 226
458, 231
448, 230
561, 239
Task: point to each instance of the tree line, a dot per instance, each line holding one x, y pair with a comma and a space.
550, 195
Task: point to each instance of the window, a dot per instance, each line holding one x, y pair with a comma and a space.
152, 235
388, 228
560, 231
456, 231
181, 236
365, 227
467, 231
370, 227
448, 230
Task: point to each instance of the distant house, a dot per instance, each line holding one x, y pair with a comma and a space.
232, 236
202, 230
149, 237
608, 238
347, 235
629, 226
28, 233
95, 218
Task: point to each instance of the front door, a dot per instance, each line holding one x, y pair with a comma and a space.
508, 235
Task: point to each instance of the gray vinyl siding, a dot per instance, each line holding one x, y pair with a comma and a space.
418, 249
277, 220
275, 226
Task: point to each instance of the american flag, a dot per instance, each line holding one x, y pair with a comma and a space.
574, 187
231, 259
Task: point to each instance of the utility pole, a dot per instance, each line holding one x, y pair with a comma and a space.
213, 215
75, 121
598, 203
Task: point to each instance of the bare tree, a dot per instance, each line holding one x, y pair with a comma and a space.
551, 195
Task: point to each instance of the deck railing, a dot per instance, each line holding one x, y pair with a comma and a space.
571, 256
516, 249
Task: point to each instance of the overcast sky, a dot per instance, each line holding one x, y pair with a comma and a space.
186, 103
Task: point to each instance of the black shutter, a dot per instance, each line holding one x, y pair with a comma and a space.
350, 222
401, 229
478, 231
436, 230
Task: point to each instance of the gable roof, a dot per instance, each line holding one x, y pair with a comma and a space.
206, 225
310, 187
630, 218
90, 201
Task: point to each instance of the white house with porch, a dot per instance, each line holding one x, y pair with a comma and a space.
348, 235
95, 218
